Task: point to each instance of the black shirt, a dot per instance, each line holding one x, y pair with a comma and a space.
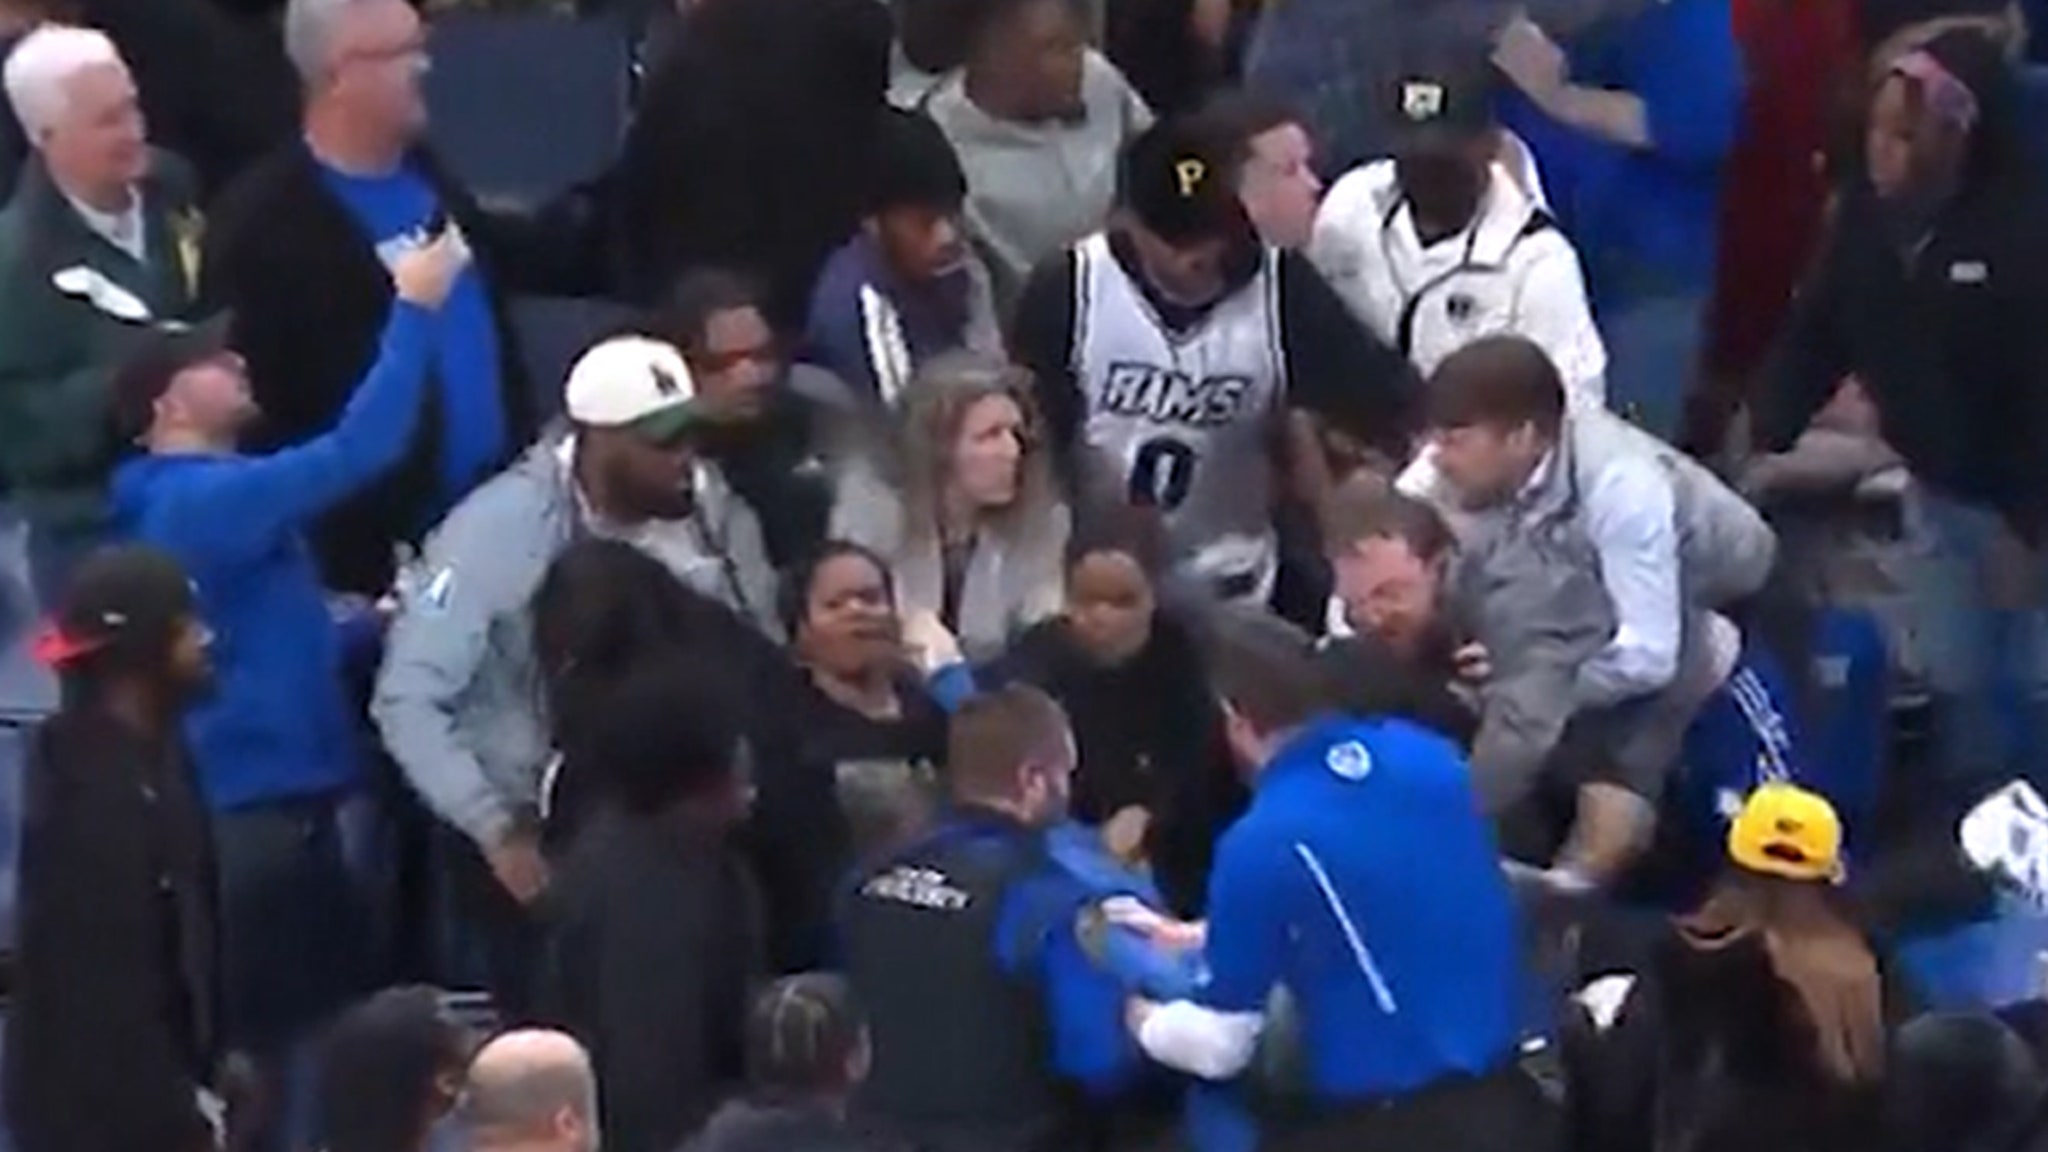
1946, 335
800, 832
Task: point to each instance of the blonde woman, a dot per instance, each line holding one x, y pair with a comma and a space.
960, 502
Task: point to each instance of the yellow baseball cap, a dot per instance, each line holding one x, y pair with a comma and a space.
1784, 830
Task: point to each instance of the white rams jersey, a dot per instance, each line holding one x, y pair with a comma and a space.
1189, 417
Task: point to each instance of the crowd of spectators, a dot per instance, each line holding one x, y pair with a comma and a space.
1136, 574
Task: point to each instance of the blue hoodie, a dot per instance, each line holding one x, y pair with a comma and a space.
1645, 221
277, 725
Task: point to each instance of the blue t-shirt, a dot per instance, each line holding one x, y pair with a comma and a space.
395, 211
1365, 880
1645, 220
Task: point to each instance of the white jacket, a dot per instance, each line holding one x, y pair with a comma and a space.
1512, 272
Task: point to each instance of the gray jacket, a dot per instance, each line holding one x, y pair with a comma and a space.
458, 699
1725, 552
1012, 581
1725, 549
1530, 593
1528, 586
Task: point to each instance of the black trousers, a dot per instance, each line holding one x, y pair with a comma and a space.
488, 936
1503, 1111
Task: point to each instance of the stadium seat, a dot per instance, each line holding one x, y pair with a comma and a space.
525, 106
553, 331
2033, 116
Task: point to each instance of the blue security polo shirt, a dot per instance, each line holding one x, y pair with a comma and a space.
1645, 220
1365, 880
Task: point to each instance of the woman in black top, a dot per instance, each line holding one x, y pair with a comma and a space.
1132, 680
854, 701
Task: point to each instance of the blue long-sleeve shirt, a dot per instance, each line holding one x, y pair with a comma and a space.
1644, 221
278, 723
1038, 940
1365, 880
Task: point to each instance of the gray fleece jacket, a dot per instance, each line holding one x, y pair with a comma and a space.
458, 699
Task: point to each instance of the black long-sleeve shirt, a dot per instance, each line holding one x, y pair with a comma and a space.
114, 1021
1946, 334
654, 945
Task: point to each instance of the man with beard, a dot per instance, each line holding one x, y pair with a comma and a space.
275, 750
768, 421
1172, 350
114, 1027
1488, 642
942, 942
455, 699
1556, 497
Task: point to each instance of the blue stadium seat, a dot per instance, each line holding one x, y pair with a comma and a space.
553, 331
1989, 964
2034, 108
526, 106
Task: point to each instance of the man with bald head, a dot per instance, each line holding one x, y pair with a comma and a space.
531, 1091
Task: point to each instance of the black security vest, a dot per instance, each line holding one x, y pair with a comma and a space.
960, 1051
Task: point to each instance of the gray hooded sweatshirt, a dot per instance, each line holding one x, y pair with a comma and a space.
458, 699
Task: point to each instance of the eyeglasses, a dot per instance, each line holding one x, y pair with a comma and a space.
717, 362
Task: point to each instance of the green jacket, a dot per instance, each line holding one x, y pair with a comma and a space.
70, 301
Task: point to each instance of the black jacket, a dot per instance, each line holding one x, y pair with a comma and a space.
766, 1126
751, 145
801, 838
1712, 1053
653, 950
14, 146
774, 464
1947, 337
310, 299
1149, 734
116, 999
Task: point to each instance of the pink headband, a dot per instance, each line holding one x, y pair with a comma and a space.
1947, 97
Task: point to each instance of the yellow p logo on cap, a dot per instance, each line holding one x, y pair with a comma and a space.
1189, 172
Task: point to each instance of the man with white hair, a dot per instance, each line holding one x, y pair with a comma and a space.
531, 1090
99, 241
298, 252
17, 19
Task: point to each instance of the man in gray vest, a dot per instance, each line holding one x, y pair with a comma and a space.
1669, 542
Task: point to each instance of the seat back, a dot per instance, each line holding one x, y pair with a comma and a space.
553, 331
526, 105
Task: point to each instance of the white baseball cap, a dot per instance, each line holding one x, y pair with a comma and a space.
632, 381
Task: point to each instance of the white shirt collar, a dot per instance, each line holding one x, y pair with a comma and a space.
121, 229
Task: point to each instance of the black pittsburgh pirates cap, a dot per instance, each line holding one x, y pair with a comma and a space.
1177, 183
